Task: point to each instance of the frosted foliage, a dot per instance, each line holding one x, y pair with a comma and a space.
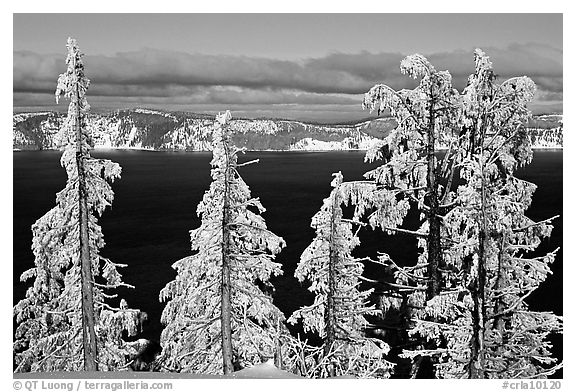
432, 105
73, 85
191, 339
492, 236
426, 118
49, 336
416, 66
334, 275
486, 238
413, 109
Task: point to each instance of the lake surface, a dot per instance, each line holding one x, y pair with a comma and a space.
155, 207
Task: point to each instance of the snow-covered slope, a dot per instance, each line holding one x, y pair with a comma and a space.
158, 130
263, 370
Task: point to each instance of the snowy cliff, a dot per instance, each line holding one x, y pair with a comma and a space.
157, 130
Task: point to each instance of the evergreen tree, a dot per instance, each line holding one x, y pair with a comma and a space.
493, 333
65, 323
217, 316
412, 176
337, 314
479, 326
411, 172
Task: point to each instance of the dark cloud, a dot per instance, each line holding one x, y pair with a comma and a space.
370, 67
149, 69
166, 77
276, 97
540, 62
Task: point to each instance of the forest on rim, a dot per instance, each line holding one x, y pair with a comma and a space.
462, 304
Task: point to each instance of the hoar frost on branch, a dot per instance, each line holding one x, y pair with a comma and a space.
53, 333
498, 337
475, 322
339, 307
217, 318
412, 176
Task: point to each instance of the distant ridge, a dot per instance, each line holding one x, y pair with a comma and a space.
153, 129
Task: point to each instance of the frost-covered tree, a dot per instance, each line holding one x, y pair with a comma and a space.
497, 335
65, 323
480, 324
413, 176
426, 117
219, 314
337, 314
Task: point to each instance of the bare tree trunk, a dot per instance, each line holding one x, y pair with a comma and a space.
87, 290
431, 200
499, 321
329, 315
478, 317
278, 357
476, 366
226, 310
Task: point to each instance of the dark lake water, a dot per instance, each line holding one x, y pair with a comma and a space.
155, 207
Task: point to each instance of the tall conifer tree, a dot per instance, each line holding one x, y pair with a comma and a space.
65, 321
219, 316
340, 306
478, 324
413, 176
488, 328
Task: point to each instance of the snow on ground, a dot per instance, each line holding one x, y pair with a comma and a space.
263, 370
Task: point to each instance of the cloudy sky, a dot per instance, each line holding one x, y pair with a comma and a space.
300, 66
